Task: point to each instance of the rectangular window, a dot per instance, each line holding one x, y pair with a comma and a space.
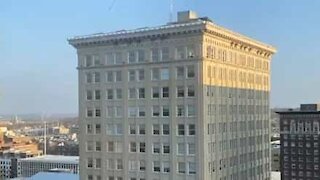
165, 111
88, 77
89, 95
192, 168
118, 76
190, 72
142, 111
110, 146
98, 163
141, 93
155, 92
142, 147
156, 129
181, 52
89, 145
97, 95
119, 129
180, 91
164, 74
180, 73
141, 56
89, 112
192, 129
133, 147
109, 58
88, 60
155, 55
119, 164
141, 74
132, 75
191, 111
191, 149
109, 76
98, 128
165, 129
191, 51
155, 111
165, 92
109, 93
119, 58
96, 77
166, 167
132, 93
142, 165
89, 129
181, 131
142, 129
132, 129
90, 162
181, 149
166, 149
180, 110
155, 74
181, 167
191, 91
133, 166
156, 166
110, 112
132, 111
156, 148
119, 93
165, 54
131, 57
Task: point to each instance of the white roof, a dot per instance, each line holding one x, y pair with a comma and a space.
53, 159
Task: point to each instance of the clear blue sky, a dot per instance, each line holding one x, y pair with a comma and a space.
38, 67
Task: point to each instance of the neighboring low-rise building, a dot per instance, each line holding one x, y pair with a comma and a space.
275, 155
34, 165
300, 143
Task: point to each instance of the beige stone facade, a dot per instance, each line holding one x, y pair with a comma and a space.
184, 101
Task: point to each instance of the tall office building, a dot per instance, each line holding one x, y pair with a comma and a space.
188, 100
299, 152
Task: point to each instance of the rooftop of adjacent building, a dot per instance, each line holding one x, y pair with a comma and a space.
53, 159
184, 19
51, 176
304, 109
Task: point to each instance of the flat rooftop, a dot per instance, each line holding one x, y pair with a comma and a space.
53, 159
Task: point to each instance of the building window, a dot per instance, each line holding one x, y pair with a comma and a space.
132, 75
109, 93
164, 74
90, 177
109, 59
98, 163
118, 76
165, 111
119, 58
98, 113
131, 57
142, 129
180, 111
96, 77
181, 52
89, 95
89, 146
191, 91
180, 91
132, 93
192, 129
89, 78
98, 128
155, 54
97, 95
181, 130
165, 92
156, 129
141, 56
140, 74
141, 92
155, 111
191, 110
192, 168
89, 112
89, 129
133, 147
88, 60
190, 72
132, 129
98, 146
181, 149
166, 149
156, 148
165, 129
142, 165
180, 73
90, 163
155, 74
110, 146
191, 51
142, 111
156, 166
132, 111
155, 92
181, 167
165, 54
166, 167
142, 147
109, 76
119, 93
191, 148
119, 164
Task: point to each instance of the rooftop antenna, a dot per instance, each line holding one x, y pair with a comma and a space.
171, 11
44, 135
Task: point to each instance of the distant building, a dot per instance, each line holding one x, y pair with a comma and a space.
31, 166
275, 155
300, 143
185, 100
